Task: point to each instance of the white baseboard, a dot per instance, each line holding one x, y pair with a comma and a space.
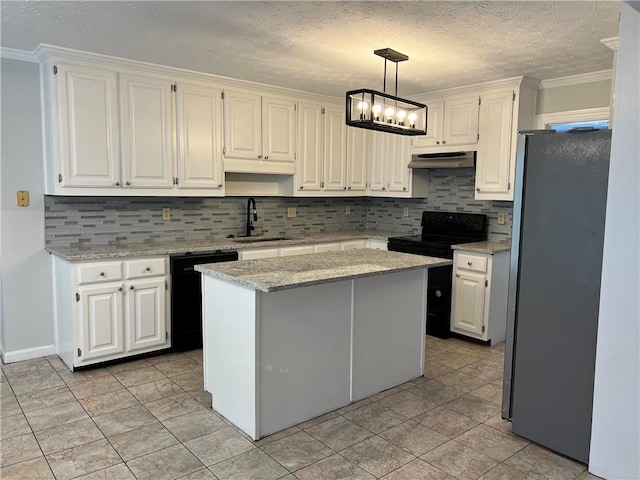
28, 353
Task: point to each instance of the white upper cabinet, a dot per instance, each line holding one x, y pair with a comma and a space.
147, 119
199, 125
321, 166
494, 150
86, 133
503, 113
278, 127
310, 161
389, 175
261, 130
335, 149
358, 158
451, 122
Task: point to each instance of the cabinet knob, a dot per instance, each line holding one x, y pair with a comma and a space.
444, 141
128, 182
404, 188
301, 187
266, 157
384, 188
259, 156
102, 274
457, 275
148, 269
469, 263
478, 189
219, 185
344, 188
120, 289
131, 287
349, 188
437, 142
117, 184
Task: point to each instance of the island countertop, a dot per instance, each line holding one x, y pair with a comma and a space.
283, 273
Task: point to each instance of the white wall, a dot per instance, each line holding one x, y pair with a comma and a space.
574, 97
615, 437
26, 300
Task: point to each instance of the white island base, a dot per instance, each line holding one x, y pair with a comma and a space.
273, 360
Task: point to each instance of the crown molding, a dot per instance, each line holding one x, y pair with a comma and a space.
600, 76
611, 42
514, 82
15, 54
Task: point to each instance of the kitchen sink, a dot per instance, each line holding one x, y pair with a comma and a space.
259, 239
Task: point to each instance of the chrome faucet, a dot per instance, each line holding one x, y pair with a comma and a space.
251, 202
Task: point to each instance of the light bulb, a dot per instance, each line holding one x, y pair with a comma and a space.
363, 106
376, 110
401, 114
389, 112
412, 119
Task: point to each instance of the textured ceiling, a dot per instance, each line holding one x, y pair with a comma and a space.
327, 47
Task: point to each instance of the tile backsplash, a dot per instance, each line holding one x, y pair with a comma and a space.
115, 220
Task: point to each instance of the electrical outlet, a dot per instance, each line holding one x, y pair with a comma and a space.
501, 219
22, 199
405, 212
292, 212
166, 214
347, 210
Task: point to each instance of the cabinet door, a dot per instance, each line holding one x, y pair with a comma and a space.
147, 131
460, 121
494, 147
279, 129
242, 125
309, 171
399, 173
377, 172
433, 138
358, 152
297, 250
259, 253
199, 136
468, 303
335, 149
88, 127
101, 320
146, 313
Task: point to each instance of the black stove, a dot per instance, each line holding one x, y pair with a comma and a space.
441, 230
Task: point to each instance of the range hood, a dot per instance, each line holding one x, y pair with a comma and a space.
443, 160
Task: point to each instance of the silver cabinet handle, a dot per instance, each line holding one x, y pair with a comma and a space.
438, 293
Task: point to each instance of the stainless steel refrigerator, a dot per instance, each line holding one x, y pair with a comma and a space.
554, 287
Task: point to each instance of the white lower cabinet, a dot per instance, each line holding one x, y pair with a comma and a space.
353, 244
110, 310
479, 296
308, 248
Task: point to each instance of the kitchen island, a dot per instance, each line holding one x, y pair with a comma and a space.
289, 338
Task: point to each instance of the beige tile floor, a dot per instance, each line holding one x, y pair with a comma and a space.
151, 419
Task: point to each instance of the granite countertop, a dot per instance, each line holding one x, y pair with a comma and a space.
76, 253
282, 273
484, 247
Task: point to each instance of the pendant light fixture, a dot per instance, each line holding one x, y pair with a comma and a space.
384, 112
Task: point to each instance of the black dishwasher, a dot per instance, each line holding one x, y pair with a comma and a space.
186, 296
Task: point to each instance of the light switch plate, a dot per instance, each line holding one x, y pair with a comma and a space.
405, 212
166, 214
347, 210
291, 212
501, 219
22, 198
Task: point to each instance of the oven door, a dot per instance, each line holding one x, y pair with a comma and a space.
439, 301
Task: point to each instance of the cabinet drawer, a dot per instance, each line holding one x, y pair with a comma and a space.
99, 272
147, 267
472, 262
